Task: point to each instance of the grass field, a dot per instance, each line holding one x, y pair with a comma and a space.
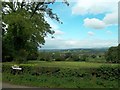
65, 64
70, 64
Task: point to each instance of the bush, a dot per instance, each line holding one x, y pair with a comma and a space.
108, 72
55, 71
6, 68
31, 69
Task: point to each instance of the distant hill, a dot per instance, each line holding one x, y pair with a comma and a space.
76, 49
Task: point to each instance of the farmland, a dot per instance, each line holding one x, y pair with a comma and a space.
65, 64
48, 45
76, 68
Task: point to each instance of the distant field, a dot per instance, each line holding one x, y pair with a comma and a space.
65, 64
69, 64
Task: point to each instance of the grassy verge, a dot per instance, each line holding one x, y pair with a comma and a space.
58, 82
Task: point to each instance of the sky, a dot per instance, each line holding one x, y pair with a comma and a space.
86, 24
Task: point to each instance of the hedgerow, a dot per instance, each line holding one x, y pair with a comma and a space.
104, 72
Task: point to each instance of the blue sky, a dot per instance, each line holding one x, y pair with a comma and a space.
86, 24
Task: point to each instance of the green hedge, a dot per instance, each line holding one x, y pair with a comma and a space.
108, 72
30, 69
105, 72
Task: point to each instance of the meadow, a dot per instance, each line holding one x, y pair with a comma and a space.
63, 64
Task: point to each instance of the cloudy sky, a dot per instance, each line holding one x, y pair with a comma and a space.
86, 24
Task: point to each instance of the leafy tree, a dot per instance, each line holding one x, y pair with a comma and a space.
76, 58
26, 27
68, 55
112, 55
84, 57
93, 56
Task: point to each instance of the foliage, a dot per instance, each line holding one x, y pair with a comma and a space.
109, 72
47, 81
113, 54
119, 53
54, 77
26, 27
32, 56
104, 72
93, 56
21, 56
71, 56
84, 58
24, 35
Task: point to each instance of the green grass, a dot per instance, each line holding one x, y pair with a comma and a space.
99, 60
60, 81
65, 64
45, 81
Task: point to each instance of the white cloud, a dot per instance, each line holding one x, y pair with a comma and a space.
111, 18
109, 32
108, 20
91, 33
108, 7
94, 6
59, 32
85, 43
94, 23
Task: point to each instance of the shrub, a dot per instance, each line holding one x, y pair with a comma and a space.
108, 72
31, 69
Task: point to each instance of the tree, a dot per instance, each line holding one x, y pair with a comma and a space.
84, 57
75, 57
93, 56
112, 55
26, 27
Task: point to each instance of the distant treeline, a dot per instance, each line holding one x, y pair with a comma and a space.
110, 55
84, 55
